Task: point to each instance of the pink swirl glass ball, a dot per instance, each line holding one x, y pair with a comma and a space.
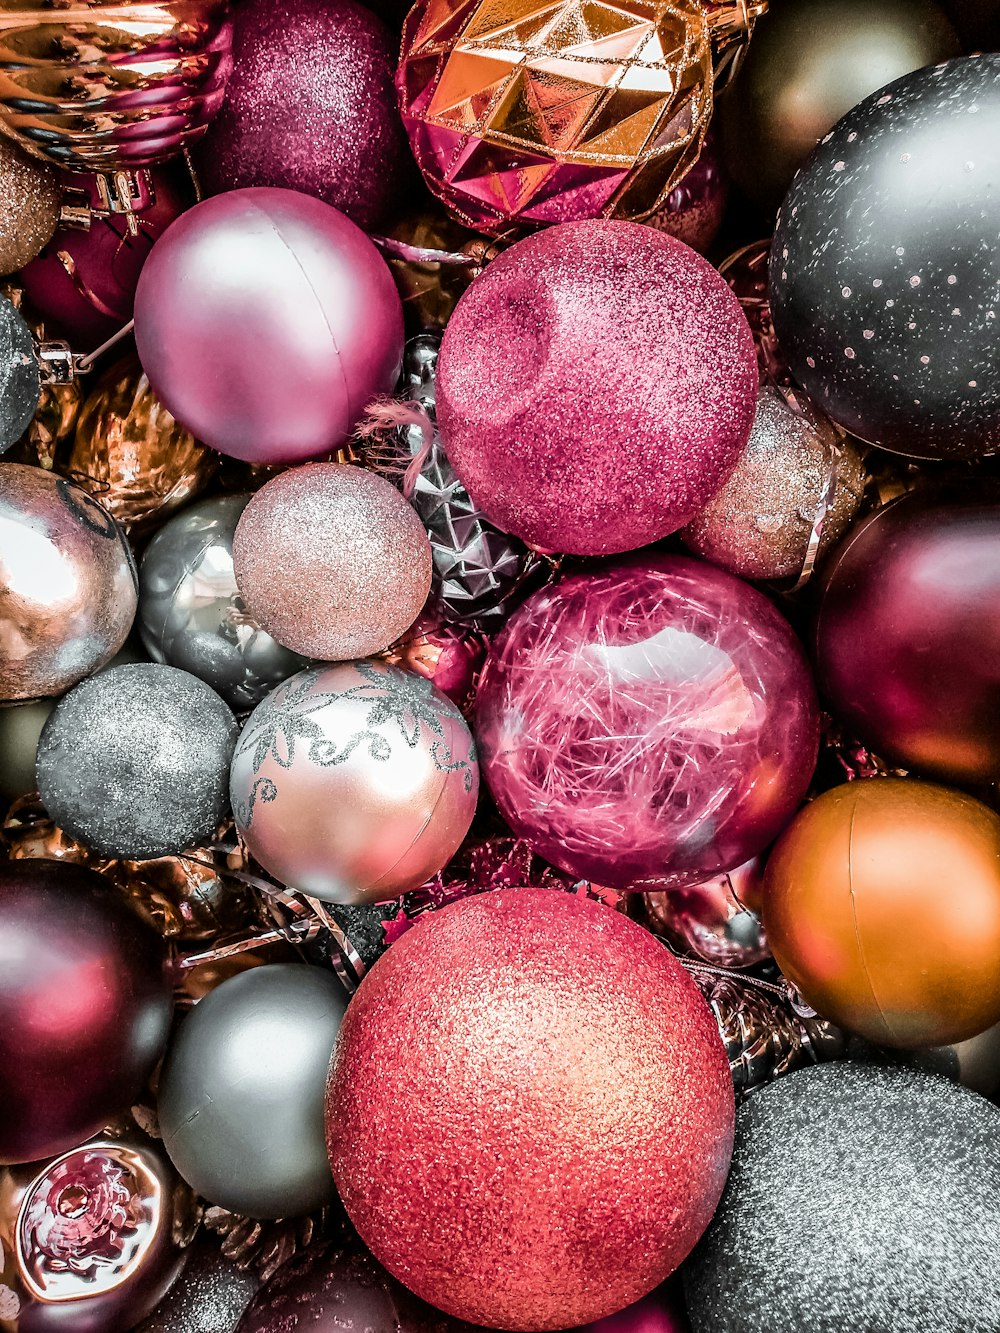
266, 322
647, 725
596, 385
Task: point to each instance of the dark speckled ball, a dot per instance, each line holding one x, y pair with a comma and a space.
135, 761
311, 106
861, 1200
885, 268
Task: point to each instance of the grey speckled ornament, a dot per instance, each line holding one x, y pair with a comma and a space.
191, 614
885, 267
135, 761
241, 1093
208, 1297
20, 378
861, 1199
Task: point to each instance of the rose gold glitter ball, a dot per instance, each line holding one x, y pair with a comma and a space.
332, 561
29, 206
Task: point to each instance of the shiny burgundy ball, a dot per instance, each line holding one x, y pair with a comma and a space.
530, 1112
85, 1006
311, 106
908, 633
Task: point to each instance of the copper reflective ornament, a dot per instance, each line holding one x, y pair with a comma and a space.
710, 920
99, 86
67, 584
449, 656
882, 905
93, 1239
429, 285
355, 782
132, 455
59, 405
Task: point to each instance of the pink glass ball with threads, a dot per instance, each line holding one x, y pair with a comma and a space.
596, 385
266, 322
649, 724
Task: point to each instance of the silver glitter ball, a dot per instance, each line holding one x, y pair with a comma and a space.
209, 1296
191, 614
242, 1091
20, 378
135, 761
862, 1199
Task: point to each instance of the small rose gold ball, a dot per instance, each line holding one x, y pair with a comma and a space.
332, 561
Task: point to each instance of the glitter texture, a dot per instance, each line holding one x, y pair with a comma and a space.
761, 523
30, 198
530, 1111
540, 113
898, 206
860, 1198
20, 378
332, 561
648, 725
311, 106
134, 761
595, 386
208, 1297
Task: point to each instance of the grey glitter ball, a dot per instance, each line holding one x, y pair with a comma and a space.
862, 1199
135, 761
20, 378
209, 1296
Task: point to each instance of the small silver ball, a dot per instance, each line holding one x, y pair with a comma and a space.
135, 761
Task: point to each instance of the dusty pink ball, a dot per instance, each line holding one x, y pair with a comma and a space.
596, 385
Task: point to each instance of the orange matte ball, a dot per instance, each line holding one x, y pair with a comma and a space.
882, 905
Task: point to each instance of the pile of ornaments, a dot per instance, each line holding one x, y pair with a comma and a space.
499, 717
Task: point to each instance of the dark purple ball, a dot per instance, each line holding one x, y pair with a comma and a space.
85, 1006
311, 106
908, 633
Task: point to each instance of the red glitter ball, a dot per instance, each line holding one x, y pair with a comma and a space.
530, 1113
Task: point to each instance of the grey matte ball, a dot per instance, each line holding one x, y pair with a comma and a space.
191, 614
135, 761
242, 1091
861, 1199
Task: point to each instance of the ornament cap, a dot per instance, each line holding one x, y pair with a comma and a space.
730, 26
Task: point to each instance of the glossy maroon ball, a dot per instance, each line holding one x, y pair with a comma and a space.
85, 1006
649, 724
908, 633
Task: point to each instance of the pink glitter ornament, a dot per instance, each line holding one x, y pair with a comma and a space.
311, 106
596, 384
648, 725
266, 321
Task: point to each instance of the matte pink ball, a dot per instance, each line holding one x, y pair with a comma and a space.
310, 105
331, 561
595, 387
647, 725
530, 1111
266, 321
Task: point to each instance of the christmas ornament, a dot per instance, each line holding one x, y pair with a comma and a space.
311, 106
477, 568
693, 210
85, 277
266, 321
807, 67
857, 920
132, 455
765, 1034
746, 272
888, 315
661, 1312
647, 725
711, 920
93, 1238
241, 1092
29, 206
134, 761
67, 584
208, 1297
261, 1247
349, 545
20, 727
974, 1063
584, 1057
449, 656
791, 496
907, 630
896, 1168
354, 783
535, 115
191, 614
85, 1006
611, 371
428, 279
20, 378
59, 400
99, 87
